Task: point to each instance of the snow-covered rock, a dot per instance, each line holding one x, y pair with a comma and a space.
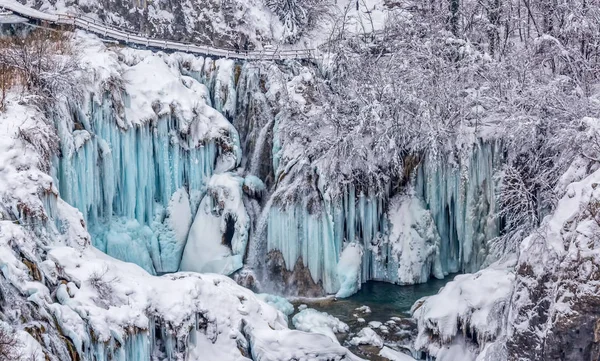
269, 345
554, 308
311, 320
393, 355
472, 304
219, 235
367, 336
364, 309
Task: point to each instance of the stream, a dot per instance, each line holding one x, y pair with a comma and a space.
388, 313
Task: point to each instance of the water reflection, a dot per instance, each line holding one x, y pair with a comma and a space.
385, 300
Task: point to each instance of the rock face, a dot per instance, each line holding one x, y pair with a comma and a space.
289, 282
555, 308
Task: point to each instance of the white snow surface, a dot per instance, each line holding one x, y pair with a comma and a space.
393, 355
176, 298
375, 324
311, 320
363, 309
349, 270
367, 336
471, 302
270, 345
205, 250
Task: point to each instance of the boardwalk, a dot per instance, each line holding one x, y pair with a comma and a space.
124, 36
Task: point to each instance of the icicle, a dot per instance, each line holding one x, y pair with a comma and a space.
463, 204
122, 180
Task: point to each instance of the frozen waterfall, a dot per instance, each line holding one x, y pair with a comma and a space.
158, 179
136, 164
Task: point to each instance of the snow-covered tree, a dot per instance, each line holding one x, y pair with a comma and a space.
299, 16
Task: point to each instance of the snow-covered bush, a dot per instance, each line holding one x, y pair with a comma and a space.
9, 345
43, 62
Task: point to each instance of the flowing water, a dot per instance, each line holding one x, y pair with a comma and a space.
389, 305
385, 300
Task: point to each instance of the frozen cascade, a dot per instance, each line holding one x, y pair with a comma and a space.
135, 347
218, 76
128, 176
462, 201
138, 180
405, 240
255, 119
123, 181
137, 154
130, 168
301, 236
317, 239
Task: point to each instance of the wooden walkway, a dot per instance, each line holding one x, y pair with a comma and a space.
15, 9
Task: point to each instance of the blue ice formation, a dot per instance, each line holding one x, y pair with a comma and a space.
280, 303
462, 201
138, 182
140, 186
123, 181
317, 239
456, 218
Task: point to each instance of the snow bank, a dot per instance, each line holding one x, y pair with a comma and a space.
107, 301
392, 355
269, 345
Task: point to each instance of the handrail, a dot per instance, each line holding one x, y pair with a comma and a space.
93, 26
